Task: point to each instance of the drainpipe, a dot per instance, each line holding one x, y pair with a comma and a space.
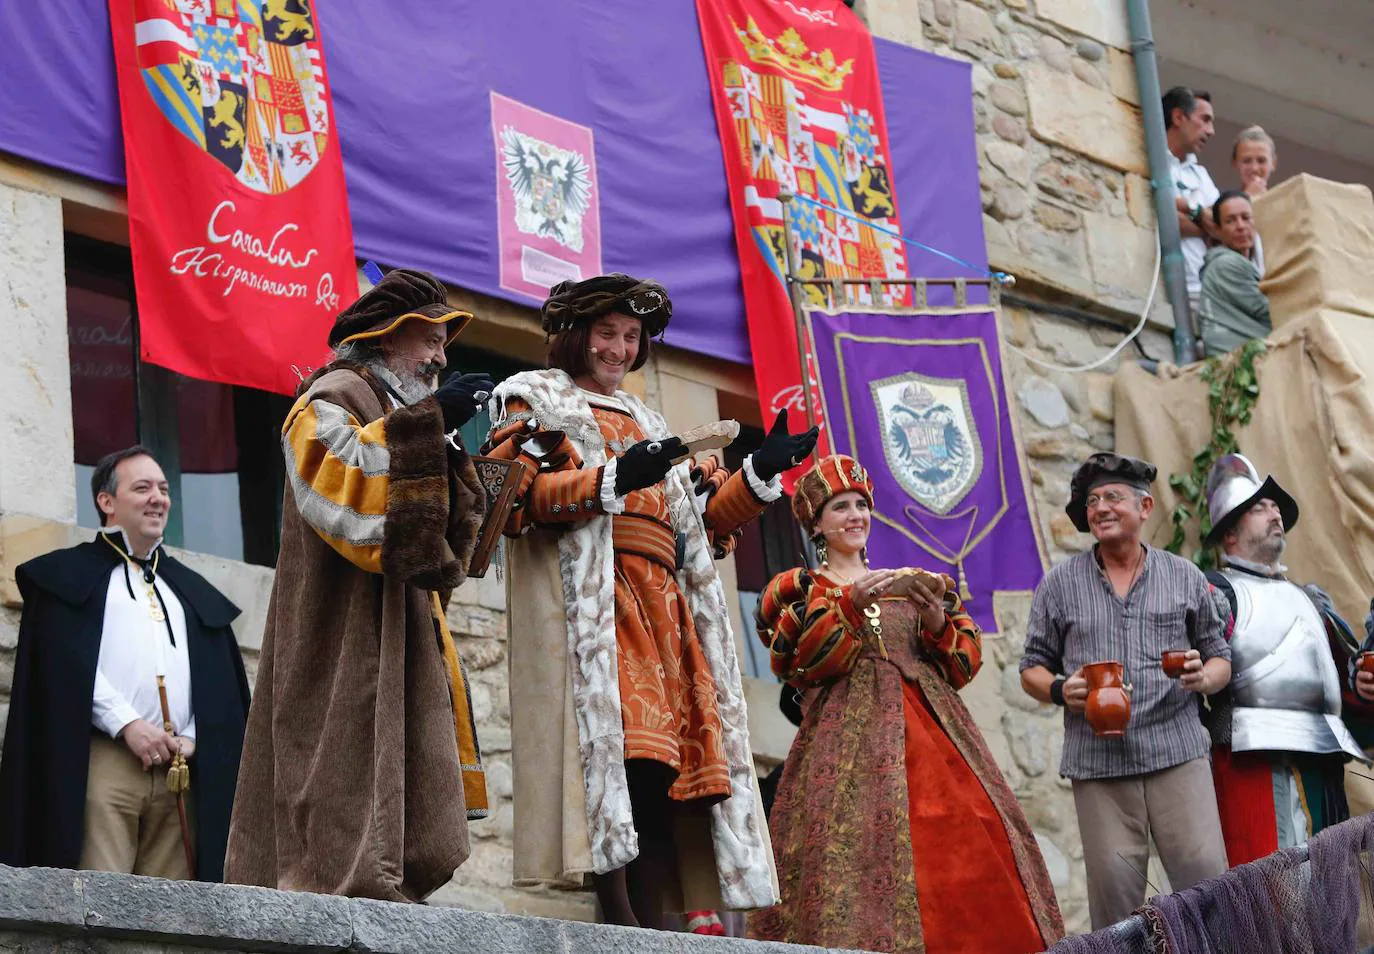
1157, 149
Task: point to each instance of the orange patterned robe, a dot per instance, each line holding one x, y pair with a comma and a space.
667, 693
893, 828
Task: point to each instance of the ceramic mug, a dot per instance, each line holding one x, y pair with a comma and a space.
1173, 661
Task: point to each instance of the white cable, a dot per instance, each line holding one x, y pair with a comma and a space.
1140, 326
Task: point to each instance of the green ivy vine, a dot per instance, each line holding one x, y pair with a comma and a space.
1232, 390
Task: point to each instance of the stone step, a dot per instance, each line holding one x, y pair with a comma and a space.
57, 911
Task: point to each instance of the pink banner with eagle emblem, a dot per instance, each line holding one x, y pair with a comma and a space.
238, 216
547, 198
799, 107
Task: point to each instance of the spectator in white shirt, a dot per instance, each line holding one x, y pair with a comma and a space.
84, 770
1188, 124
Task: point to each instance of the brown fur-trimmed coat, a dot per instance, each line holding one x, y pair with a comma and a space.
350, 781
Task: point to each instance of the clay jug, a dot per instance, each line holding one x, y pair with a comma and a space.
1109, 707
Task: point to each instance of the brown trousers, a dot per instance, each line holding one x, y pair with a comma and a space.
132, 824
1117, 817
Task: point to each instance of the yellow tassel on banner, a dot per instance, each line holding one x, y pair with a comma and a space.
964, 593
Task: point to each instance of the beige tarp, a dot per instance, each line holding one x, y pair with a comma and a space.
1318, 245
1312, 428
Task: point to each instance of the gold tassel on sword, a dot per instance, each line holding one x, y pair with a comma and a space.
178, 780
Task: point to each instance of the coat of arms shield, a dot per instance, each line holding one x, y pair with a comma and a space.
930, 439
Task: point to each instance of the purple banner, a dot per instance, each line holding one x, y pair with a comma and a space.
919, 399
413, 82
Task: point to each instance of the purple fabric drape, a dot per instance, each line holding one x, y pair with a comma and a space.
1306, 899
412, 83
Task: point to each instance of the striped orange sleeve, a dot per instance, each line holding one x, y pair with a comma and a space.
734, 505
812, 634
339, 473
957, 650
564, 496
554, 487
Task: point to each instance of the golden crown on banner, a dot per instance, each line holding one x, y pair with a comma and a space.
790, 53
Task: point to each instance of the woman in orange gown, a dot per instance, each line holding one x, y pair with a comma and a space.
893, 828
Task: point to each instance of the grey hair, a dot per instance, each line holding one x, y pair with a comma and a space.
1254, 134
408, 387
361, 352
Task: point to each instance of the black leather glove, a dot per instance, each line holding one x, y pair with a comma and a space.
782, 451
645, 464
458, 398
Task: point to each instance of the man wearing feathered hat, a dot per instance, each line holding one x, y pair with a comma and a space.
1127, 602
360, 768
630, 746
1280, 742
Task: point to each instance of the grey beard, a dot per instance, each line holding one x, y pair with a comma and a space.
410, 386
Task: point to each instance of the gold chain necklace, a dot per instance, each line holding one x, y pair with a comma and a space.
155, 609
872, 612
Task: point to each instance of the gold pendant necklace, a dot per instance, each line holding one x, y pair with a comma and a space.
155, 609
875, 624
155, 605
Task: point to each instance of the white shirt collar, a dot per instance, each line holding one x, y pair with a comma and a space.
605, 400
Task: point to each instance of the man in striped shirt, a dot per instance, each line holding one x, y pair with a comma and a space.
1129, 602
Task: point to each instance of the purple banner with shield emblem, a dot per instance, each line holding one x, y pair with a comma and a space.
920, 400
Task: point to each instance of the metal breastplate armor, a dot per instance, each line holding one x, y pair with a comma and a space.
1284, 682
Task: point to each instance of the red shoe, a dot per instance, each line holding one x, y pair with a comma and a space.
704, 922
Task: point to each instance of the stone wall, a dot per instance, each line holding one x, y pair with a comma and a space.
1066, 198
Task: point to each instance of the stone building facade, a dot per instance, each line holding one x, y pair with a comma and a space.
1067, 210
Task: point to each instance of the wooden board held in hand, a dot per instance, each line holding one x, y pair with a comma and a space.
707, 437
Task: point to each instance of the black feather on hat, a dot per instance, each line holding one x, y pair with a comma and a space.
1102, 469
403, 293
571, 302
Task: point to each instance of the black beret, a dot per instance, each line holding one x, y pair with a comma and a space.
571, 302
1104, 468
401, 291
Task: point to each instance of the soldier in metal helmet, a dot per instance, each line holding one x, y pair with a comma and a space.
1280, 744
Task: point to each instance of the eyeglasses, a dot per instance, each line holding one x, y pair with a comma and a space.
1111, 498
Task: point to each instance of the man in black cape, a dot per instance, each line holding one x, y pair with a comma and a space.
80, 717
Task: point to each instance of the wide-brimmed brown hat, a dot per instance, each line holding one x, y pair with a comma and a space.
403, 294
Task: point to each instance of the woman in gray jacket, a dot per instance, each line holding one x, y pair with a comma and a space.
1231, 307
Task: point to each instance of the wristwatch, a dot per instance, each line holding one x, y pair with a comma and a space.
1057, 690
1194, 210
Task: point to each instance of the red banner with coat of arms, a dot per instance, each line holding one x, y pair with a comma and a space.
238, 216
800, 111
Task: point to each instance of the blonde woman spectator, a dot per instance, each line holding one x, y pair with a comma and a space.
1254, 159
